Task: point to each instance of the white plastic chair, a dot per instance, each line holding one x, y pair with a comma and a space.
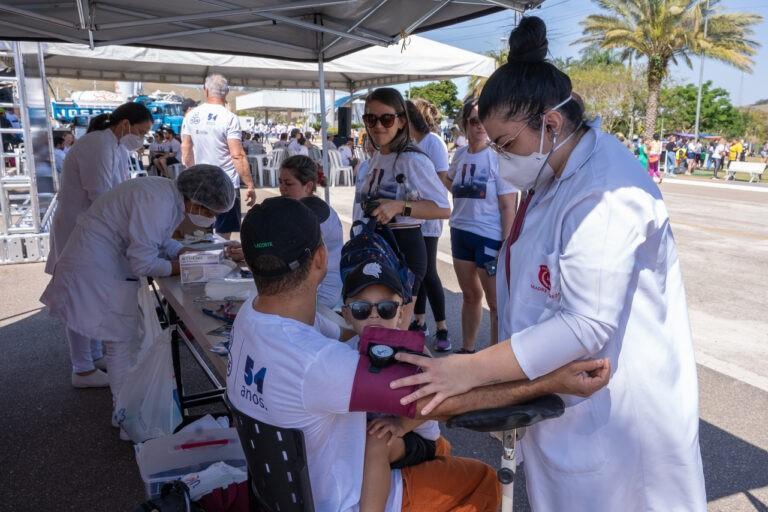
361, 155
257, 167
338, 171
273, 165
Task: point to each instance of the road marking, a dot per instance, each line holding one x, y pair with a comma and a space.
724, 186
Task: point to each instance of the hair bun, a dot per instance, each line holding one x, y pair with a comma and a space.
528, 41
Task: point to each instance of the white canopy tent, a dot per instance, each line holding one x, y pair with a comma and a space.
414, 59
298, 30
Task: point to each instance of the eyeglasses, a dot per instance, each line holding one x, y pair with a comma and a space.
500, 149
386, 120
362, 309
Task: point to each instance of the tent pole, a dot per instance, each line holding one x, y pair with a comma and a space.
324, 130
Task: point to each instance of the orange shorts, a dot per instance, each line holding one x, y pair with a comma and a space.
450, 484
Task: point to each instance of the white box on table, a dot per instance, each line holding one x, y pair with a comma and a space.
202, 266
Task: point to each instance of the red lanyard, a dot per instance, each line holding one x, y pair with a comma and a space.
517, 226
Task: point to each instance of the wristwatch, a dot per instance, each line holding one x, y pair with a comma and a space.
381, 356
407, 209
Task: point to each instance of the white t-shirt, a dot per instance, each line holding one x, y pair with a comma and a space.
435, 148
460, 142
476, 190
420, 182
210, 126
294, 148
285, 373
59, 155
329, 292
346, 154
171, 146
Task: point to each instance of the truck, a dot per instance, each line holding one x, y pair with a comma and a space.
86, 104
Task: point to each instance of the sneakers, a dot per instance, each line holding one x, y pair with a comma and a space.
442, 341
101, 364
416, 326
97, 379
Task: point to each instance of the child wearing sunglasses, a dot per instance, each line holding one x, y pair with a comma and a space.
373, 296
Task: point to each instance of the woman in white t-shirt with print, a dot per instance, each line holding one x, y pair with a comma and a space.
423, 117
483, 212
401, 187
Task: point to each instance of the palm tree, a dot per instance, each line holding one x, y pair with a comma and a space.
665, 31
476, 83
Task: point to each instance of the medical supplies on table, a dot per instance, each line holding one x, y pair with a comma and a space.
202, 266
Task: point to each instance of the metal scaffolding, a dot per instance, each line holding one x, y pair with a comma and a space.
28, 177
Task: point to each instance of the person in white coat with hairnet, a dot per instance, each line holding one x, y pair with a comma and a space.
96, 164
125, 235
590, 269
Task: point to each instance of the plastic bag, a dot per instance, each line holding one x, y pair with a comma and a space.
148, 405
213, 477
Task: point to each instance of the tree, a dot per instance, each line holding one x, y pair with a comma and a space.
665, 31
718, 115
476, 83
443, 94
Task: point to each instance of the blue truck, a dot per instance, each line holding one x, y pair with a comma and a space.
164, 112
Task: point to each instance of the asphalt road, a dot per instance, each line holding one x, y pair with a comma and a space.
58, 451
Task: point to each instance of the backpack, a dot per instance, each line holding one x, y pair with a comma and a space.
376, 242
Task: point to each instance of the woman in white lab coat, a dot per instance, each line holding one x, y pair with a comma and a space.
590, 269
96, 164
125, 235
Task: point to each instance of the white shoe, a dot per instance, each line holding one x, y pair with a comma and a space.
97, 379
101, 364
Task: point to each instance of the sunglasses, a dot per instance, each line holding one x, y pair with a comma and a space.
362, 309
386, 120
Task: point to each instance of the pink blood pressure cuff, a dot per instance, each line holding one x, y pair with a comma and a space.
370, 390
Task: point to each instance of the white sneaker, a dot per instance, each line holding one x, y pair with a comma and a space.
101, 364
97, 379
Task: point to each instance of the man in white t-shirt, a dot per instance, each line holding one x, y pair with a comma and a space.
210, 134
346, 151
282, 371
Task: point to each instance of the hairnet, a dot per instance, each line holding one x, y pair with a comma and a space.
207, 185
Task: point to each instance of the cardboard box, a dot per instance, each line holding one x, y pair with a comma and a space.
202, 266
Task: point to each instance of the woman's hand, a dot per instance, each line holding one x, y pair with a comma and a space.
234, 251
387, 210
444, 378
380, 427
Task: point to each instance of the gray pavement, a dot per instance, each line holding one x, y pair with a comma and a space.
58, 451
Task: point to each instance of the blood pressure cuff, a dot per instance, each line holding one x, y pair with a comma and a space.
370, 390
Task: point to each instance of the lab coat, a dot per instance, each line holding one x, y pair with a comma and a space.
595, 273
96, 164
125, 234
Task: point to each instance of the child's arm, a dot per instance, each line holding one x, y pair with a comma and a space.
396, 426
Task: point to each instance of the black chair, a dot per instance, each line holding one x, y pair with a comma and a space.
277, 465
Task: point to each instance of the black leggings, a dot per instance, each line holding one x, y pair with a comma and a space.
431, 287
411, 243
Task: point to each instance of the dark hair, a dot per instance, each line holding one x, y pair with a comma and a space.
527, 85
255, 136
466, 112
283, 283
417, 120
135, 113
655, 136
308, 135
295, 132
283, 136
392, 98
168, 129
302, 168
58, 140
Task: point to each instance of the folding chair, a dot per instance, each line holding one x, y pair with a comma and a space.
278, 477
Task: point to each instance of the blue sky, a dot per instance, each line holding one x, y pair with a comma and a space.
563, 17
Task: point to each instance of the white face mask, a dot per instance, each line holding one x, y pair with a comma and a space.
526, 172
201, 221
131, 141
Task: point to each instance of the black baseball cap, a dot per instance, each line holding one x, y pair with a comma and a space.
318, 207
369, 273
280, 227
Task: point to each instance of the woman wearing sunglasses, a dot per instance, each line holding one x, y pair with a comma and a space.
401, 188
590, 270
424, 123
483, 213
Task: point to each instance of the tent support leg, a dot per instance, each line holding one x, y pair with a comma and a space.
324, 130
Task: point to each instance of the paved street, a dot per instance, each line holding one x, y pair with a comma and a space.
58, 451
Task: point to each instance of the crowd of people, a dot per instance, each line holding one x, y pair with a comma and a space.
551, 223
679, 154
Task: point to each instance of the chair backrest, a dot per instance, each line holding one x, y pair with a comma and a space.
277, 157
334, 157
277, 465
